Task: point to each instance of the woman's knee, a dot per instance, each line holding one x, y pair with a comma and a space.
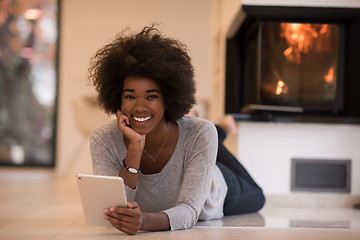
260, 201
247, 203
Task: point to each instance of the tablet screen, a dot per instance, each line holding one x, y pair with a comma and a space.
99, 192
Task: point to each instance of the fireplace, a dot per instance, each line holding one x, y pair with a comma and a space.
299, 64
294, 64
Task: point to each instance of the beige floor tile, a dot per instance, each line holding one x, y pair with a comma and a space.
36, 204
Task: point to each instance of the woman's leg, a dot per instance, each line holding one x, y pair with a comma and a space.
244, 195
227, 159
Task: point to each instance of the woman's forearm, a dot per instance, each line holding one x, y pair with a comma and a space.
132, 160
155, 221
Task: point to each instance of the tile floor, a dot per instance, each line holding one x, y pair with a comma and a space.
37, 204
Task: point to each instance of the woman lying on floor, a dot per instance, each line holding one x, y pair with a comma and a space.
175, 169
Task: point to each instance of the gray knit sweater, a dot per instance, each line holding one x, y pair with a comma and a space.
189, 187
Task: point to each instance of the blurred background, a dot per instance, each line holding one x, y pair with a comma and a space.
265, 148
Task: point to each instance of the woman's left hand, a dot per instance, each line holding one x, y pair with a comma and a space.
126, 219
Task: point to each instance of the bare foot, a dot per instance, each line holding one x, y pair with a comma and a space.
229, 125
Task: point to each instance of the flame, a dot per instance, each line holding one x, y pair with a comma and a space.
301, 38
288, 51
281, 88
329, 77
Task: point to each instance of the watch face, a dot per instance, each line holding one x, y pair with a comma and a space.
133, 170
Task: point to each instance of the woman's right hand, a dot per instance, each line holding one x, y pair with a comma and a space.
126, 219
135, 144
123, 124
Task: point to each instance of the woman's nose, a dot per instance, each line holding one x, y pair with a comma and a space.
140, 105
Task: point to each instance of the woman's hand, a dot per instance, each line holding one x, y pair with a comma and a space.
135, 144
126, 219
123, 124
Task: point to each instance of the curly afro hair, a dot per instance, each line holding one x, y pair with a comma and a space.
146, 54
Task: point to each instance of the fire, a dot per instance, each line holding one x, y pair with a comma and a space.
281, 88
288, 51
301, 38
329, 77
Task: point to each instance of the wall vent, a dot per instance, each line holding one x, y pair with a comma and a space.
320, 175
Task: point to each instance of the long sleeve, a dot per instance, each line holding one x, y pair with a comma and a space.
199, 165
107, 150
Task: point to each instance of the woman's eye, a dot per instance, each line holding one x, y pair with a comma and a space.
129, 97
153, 96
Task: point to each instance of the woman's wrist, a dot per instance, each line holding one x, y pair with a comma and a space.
154, 221
130, 169
136, 146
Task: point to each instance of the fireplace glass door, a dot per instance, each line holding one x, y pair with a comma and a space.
299, 64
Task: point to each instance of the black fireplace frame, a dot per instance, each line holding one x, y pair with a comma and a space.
239, 93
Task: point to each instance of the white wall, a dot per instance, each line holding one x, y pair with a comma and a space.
266, 149
86, 25
223, 14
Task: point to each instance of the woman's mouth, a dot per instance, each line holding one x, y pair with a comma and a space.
141, 119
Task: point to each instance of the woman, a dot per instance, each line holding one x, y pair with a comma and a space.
167, 159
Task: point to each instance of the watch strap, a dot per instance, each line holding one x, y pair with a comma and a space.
130, 169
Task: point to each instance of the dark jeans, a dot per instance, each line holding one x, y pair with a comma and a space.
244, 195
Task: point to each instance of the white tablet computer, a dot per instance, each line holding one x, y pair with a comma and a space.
99, 192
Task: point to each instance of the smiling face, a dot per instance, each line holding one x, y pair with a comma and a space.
143, 103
